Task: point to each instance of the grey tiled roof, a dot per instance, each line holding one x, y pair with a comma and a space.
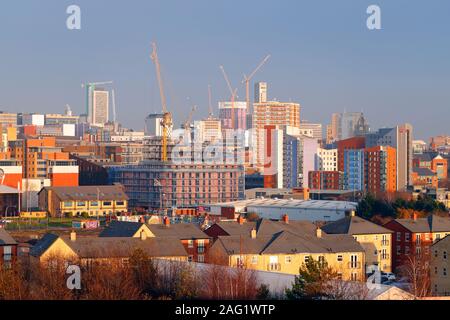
6, 239
182, 231
94, 247
432, 223
354, 226
89, 193
286, 242
121, 229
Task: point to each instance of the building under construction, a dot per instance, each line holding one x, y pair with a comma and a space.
163, 185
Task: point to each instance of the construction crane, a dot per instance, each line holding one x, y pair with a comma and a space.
187, 123
232, 92
166, 121
247, 80
211, 113
90, 86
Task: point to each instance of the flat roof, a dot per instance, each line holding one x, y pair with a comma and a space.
291, 203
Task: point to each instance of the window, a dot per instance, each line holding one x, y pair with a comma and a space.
254, 259
107, 203
444, 272
81, 203
399, 250
94, 204
190, 244
436, 254
120, 203
435, 270
306, 259
201, 258
340, 258
201, 246
407, 250
321, 260
354, 276
444, 255
288, 259
407, 236
190, 258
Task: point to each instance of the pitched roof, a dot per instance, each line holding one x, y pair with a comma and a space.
266, 227
427, 156
6, 239
182, 231
423, 172
354, 226
43, 244
8, 190
93, 247
89, 193
432, 223
121, 229
287, 242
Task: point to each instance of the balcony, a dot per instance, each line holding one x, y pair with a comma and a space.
385, 243
201, 250
385, 256
274, 267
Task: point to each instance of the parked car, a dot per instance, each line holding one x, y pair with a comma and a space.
389, 275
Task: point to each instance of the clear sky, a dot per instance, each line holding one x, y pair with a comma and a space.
323, 56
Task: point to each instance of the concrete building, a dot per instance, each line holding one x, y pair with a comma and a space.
237, 112
208, 130
260, 92
347, 125
354, 170
400, 138
33, 119
272, 113
326, 160
99, 107
8, 119
315, 127
380, 170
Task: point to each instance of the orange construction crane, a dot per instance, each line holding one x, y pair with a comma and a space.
166, 122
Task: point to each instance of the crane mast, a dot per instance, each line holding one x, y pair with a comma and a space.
167, 116
249, 78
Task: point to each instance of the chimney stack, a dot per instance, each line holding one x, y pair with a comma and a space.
286, 219
319, 233
253, 234
415, 216
73, 236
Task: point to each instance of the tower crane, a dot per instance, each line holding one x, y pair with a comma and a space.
166, 121
233, 94
210, 102
247, 80
187, 123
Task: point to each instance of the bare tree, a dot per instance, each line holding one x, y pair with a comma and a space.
417, 270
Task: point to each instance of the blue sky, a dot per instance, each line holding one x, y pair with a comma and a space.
323, 56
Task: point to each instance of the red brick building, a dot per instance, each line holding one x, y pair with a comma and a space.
415, 236
326, 180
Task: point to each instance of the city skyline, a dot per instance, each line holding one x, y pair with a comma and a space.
336, 64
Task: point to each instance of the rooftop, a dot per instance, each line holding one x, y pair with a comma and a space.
292, 203
89, 193
6, 239
354, 226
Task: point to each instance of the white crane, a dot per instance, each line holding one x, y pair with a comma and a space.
233, 95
